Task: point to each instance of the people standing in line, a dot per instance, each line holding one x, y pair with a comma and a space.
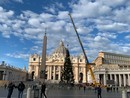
21, 88
43, 89
10, 87
99, 91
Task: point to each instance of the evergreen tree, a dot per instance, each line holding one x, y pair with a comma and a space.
67, 74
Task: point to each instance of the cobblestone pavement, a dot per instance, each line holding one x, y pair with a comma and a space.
67, 93
76, 93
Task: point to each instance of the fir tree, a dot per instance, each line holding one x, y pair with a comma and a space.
67, 75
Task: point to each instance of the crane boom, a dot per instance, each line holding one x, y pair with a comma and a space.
87, 62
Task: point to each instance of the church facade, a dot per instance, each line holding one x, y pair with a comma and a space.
55, 64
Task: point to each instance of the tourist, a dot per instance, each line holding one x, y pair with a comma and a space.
99, 91
43, 89
21, 88
5, 86
11, 87
84, 88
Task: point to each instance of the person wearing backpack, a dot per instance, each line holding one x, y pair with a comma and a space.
21, 88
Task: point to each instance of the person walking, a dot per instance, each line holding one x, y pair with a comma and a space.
43, 89
10, 87
21, 88
84, 88
99, 91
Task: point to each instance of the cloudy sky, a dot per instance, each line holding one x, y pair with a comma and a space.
103, 25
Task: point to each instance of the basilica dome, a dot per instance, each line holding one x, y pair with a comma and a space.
61, 49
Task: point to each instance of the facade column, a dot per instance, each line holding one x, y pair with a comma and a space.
98, 78
59, 73
128, 80
48, 76
50, 72
115, 78
120, 82
54, 73
84, 75
3, 75
124, 79
110, 76
77, 75
104, 76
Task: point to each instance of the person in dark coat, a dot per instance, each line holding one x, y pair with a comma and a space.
43, 89
21, 88
10, 87
99, 91
84, 88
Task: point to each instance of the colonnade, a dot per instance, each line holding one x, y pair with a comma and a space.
119, 79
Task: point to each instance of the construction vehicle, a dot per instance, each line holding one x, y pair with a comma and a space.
88, 65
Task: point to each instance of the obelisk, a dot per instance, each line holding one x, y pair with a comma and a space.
43, 63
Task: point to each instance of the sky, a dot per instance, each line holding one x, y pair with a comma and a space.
103, 25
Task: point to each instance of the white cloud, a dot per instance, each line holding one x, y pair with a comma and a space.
20, 1
114, 27
90, 9
99, 23
63, 14
7, 1
18, 55
113, 3
53, 8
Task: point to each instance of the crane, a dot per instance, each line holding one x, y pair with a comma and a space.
88, 65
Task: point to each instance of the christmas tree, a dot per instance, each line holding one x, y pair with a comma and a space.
67, 74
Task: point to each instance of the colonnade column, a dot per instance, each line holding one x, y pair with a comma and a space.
115, 78
4, 75
124, 79
120, 82
104, 79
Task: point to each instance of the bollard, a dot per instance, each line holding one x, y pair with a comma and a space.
124, 94
29, 92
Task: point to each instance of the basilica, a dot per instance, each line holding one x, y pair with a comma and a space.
54, 65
